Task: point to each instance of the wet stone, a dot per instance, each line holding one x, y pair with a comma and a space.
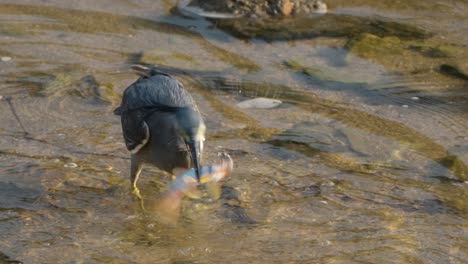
313, 26
315, 135
369, 145
70, 165
260, 102
57, 85
438, 51
373, 47
86, 87
457, 71
13, 196
6, 259
173, 59
259, 8
325, 76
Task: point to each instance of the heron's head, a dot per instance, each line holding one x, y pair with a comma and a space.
192, 130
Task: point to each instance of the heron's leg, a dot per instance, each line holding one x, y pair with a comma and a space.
135, 170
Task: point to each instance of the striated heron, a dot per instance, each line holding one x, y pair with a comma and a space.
161, 124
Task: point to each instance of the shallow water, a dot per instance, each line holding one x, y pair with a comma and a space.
365, 161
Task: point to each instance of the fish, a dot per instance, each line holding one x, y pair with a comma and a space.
186, 184
210, 174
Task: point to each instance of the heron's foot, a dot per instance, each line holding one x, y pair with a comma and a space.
136, 192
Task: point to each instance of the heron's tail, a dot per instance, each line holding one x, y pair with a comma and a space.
118, 111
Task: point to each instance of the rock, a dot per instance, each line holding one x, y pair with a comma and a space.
197, 8
260, 102
370, 46
454, 71
286, 7
456, 166
439, 51
228, 9
13, 196
70, 165
163, 57
337, 138
312, 26
319, 7
315, 135
5, 59
86, 87
379, 149
328, 76
57, 85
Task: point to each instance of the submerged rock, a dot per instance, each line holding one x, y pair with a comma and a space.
328, 25
14, 196
338, 138
438, 51
370, 46
321, 73
86, 87
174, 59
57, 85
315, 135
377, 148
456, 71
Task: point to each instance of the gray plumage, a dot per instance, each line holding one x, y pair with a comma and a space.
158, 115
159, 92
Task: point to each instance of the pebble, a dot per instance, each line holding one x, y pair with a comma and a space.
71, 165
286, 7
5, 59
259, 102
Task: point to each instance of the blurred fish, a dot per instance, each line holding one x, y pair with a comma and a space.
209, 174
168, 207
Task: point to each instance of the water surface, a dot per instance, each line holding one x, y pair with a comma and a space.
364, 162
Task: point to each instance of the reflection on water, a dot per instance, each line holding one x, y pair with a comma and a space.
365, 160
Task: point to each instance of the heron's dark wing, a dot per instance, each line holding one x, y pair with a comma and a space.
135, 130
156, 91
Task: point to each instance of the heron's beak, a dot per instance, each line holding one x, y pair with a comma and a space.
194, 146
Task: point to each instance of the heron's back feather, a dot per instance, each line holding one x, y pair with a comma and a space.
149, 95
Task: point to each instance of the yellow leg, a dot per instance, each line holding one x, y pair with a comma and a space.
135, 171
136, 192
